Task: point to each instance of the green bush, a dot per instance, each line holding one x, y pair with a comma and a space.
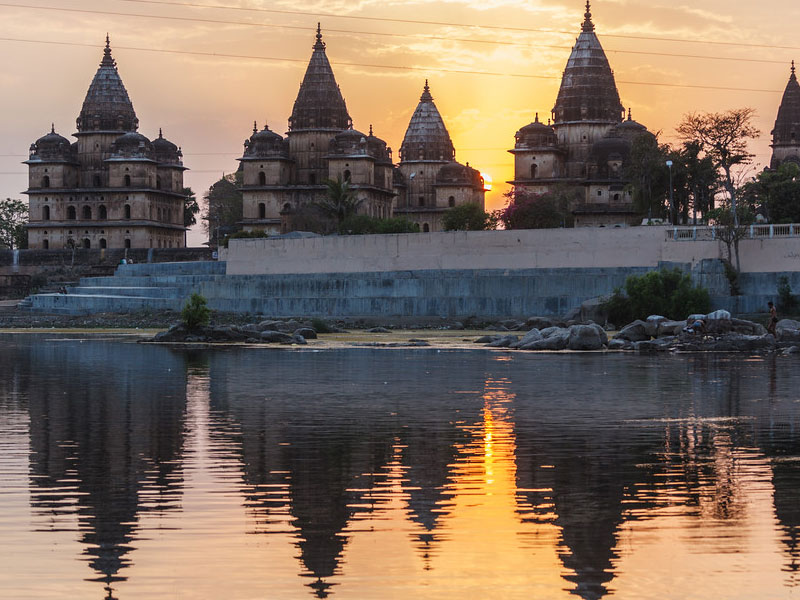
364, 224
667, 293
195, 312
321, 326
256, 233
787, 301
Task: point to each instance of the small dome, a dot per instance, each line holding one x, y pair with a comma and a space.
52, 146
132, 145
165, 151
629, 129
265, 144
351, 142
613, 148
535, 135
397, 177
454, 173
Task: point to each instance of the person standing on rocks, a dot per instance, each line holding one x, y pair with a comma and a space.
773, 320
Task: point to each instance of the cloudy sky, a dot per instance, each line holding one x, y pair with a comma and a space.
204, 70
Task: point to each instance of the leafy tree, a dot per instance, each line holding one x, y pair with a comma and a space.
668, 293
190, 209
647, 173
13, 218
341, 201
702, 180
364, 224
468, 217
255, 233
528, 210
731, 227
776, 192
722, 137
195, 312
223, 207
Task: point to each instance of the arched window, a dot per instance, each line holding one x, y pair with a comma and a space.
287, 207
46, 213
262, 210
127, 181
102, 212
451, 201
46, 181
102, 242
158, 182
616, 196
312, 178
534, 169
347, 174
426, 228
262, 178
86, 243
87, 213
97, 182
46, 244
127, 242
127, 211
421, 201
71, 213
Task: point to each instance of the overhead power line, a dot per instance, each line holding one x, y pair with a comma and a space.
450, 24
372, 33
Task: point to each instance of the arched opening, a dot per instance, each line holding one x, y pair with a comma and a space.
46, 213
158, 182
312, 178
262, 210
102, 242
426, 228
287, 207
127, 242
421, 201
347, 174
127, 181
534, 170
46, 244
127, 211
87, 213
451, 201
616, 197
103, 213
262, 178
46, 181
71, 213
86, 243
97, 182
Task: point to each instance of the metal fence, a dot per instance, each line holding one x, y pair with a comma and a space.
710, 233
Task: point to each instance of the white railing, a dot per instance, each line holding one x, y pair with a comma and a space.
705, 232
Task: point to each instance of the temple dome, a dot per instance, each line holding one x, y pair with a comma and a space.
107, 106
265, 144
319, 104
165, 151
588, 92
454, 173
536, 135
352, 142
427, 137
52, 146
630, 129
787, 124
132, 145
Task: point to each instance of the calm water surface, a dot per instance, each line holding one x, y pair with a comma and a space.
132, 471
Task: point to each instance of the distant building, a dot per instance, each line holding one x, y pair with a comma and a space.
113, 188
283, 176
428, 180
786, 133
588, 142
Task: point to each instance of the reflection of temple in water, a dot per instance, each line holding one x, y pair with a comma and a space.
106, 431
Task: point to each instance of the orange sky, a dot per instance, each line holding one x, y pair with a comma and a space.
515, 53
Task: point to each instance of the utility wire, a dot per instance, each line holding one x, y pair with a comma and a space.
391, 67
450, 24
376, 33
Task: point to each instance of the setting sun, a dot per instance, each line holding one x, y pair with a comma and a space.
487, 182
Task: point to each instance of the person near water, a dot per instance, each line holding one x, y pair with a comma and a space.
773, 319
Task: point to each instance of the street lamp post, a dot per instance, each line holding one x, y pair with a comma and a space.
669, 165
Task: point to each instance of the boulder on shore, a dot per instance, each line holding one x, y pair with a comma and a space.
534, 335
586, 337
634, 332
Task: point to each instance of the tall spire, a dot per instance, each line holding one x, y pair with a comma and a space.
587, 18
107, 106
786, 133
588, 92
427, 137
319, 104
793, 74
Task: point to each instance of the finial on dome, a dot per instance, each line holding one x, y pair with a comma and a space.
426, 93
587, 23
255, 127
536, 120
792, 67
370, 130
108, 60
160, 134
266, 126
52, 127
320, 45
629, 114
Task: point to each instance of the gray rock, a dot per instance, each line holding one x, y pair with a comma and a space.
532, 336
378, 330
736, 342
669, 328
275, 337
659, 345
695, 317
601, 331
791, 350
548, 331
556, 340
503, 342
268, 325
787, 330
656, 318
619, 345
485, 339
594, 309
585, 337
456, 326
719, 315
747, 327
651, 324
299, 340
539, 323
573, 315
512, 324
633, 332
307, 333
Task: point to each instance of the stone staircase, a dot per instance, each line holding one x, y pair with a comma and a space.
132, 288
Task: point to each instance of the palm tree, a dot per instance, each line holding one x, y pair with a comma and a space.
341, 201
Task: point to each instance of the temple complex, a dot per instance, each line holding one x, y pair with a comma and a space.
786, 133
585, 147
113, 188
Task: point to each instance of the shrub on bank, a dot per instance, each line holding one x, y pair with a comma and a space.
256, 233
195, 312
667, 293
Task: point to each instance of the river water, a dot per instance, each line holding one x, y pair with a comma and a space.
135, 471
